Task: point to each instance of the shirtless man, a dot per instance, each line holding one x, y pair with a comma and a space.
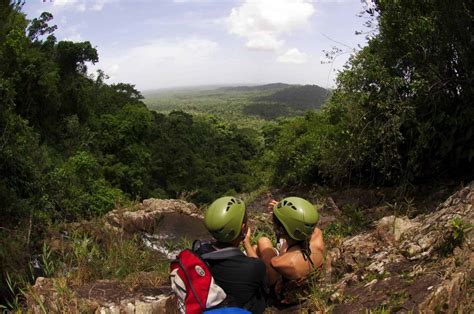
301, 252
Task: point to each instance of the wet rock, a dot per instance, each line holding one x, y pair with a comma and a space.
145, 216
166, 226
175, 231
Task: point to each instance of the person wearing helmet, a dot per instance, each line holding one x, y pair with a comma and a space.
302, 245
243, 278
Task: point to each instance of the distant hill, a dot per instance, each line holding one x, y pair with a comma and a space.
185, 89
301, 97
292, 100
266, 87
248, 104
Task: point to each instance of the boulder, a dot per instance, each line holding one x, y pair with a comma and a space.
144, 216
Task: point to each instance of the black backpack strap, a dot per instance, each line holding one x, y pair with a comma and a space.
196, 245
222, 253
202, 247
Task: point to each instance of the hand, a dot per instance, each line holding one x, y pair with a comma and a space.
248, 246
247, 236
271, 204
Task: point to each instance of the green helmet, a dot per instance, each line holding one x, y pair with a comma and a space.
298, 217
224, 218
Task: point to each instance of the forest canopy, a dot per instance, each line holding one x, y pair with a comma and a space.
72, 146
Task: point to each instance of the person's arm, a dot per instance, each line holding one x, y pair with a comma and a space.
248, 246
316, 242
316, 245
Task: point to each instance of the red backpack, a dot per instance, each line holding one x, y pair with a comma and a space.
192, 281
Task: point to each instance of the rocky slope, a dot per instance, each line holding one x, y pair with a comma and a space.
423, 264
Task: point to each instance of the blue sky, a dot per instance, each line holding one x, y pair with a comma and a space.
168, 43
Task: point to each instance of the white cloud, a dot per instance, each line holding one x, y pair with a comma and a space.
263, 41
81, 5
74, 37
293, 56
71, 33
98, 5
264, 22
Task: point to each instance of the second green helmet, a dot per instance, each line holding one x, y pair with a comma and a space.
224, 218
298, 217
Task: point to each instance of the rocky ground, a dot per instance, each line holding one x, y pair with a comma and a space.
423, 264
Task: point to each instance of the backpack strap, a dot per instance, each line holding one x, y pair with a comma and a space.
197, 244
188, 278
224, 253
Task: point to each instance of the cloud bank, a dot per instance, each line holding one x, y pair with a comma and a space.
264, 23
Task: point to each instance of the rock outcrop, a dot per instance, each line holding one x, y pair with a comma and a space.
101, 297
424, 264
145, 216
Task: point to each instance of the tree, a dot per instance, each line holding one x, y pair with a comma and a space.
39, 26
402, 110
72, 57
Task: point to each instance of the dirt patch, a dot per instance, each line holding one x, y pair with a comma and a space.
362, 197
423, 197
401, 291
419, 289
105, 291
259, 204
332, 200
